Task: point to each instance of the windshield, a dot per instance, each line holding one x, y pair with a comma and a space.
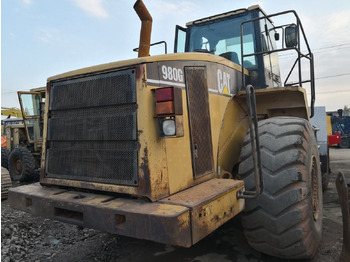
222, 37
31, 108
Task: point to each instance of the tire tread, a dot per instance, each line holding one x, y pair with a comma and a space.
275, 222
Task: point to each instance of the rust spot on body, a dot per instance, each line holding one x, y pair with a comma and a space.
145, 183
140, 72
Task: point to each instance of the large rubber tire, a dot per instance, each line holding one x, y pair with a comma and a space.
21, 164
344, 142
4, 157
286, 220
6, 183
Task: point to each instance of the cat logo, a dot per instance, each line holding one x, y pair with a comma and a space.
223, 82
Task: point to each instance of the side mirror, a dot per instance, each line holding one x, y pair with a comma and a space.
291, 36
277, 36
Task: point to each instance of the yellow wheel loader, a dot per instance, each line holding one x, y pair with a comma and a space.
21, 150
169, 147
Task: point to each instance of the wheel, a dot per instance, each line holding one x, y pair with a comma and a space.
286, 219
344, 142
21, 164
6, 183
4, 157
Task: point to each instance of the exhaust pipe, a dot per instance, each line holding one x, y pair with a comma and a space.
146, 28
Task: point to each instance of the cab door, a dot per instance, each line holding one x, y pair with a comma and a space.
31, 107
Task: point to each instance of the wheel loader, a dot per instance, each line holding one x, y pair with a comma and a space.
169, 147
21, 152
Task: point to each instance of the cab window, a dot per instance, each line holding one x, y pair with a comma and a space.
223, 38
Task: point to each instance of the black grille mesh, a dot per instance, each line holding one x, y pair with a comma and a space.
99, 123
92, 129
94, 162
198, 108
100, 90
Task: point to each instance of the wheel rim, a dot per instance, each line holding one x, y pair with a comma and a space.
315, 189
18, 166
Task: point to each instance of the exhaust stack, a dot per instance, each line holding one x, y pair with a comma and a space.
146, 28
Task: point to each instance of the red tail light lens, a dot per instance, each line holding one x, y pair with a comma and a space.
165, 94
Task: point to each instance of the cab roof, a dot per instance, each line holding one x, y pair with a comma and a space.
223, 15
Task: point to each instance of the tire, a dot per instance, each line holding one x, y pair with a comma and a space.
4, 157
21, 164
6, 183
285, 221
344, 142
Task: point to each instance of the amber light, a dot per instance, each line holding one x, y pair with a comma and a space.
165, 94
165, 108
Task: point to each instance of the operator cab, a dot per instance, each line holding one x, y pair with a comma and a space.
227, 34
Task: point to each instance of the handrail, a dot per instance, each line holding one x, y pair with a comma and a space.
254, 141
156, 43
308, 55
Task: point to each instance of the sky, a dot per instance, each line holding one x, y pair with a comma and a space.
43, 38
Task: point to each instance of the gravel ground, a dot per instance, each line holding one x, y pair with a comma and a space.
28, 238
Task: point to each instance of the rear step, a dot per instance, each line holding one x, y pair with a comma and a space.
181, 219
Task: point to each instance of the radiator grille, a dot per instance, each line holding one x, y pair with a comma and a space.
92, 129
199, 119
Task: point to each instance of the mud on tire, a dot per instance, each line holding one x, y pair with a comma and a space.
21, 164
286, 220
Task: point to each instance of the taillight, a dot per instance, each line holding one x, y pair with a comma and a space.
169, 111
165, 94
165, 108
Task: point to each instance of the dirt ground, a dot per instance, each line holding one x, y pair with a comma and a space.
28, 238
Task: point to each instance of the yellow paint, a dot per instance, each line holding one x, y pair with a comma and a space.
329, 126
282, 101
233, 130
217, 106
157, 184
211, 204
43, 150
219, 210
11, 111
168, 57
178, 155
